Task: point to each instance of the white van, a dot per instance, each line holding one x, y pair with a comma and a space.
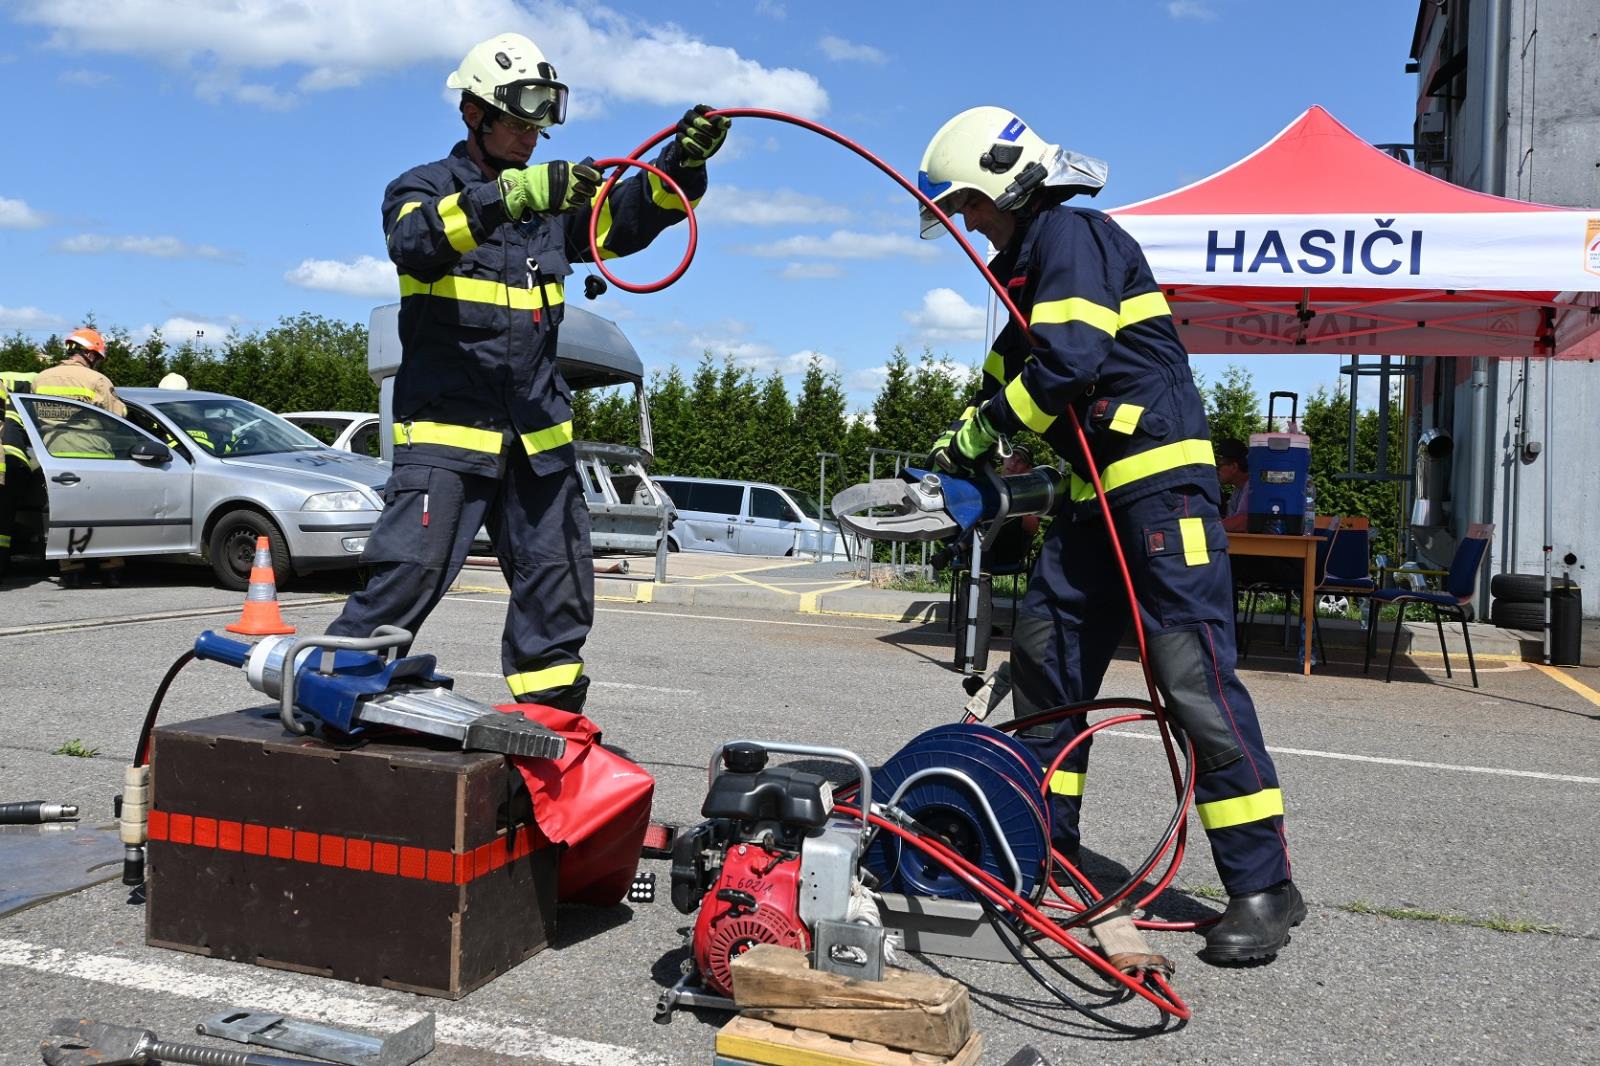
751, 518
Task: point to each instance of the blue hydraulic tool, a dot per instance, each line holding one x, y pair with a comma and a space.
340, 682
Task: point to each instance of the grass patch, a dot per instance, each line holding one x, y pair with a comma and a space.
76, 749
1411, 914
1206, 892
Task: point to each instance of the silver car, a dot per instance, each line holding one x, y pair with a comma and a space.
196, 473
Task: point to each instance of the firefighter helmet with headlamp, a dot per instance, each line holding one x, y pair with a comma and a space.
510, 74
992, 151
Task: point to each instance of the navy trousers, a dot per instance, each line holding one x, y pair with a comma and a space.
540, 528
1070, 621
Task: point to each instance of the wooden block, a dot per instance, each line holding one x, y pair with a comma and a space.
906, 1010
754, 1041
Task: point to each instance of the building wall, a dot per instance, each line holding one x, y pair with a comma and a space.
1551, 136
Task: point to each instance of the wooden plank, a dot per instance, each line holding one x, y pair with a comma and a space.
905, 1010
753, 1041
771, 976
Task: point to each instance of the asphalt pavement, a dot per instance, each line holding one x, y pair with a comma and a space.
1443, 835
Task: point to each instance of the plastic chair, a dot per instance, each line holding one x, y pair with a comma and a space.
1453, 598
1349, 566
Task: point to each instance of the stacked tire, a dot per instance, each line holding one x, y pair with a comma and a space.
1518, 599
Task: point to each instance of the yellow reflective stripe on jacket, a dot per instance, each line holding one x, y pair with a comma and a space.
470, 438
1146, 464
1023, 406
662, 196
1138, 308
543, 440
602, 230
1067, 783
74, 392
1192, 531
456, 229
407, 208
16, 452
994, 365
1126, 420
548, 678
1220, 814
5, 540
481, 291
1133, 310
14, 416
1074, 309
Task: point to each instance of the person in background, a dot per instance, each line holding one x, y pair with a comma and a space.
78, 377
1233, 471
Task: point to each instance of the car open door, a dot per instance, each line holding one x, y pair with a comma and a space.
113, 489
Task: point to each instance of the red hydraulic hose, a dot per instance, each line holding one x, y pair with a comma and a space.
1165, 998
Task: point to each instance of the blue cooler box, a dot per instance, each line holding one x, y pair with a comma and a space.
1280, 465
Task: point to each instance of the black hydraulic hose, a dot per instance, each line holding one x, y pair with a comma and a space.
141, 750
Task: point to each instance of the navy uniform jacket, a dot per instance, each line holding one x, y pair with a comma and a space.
1104, 344
480, 303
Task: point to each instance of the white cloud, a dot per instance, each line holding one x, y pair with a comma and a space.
227, 49
363, 276
180, 329
1190, 9
842, 51
29, 318
156, 247
845, 244
727, 339
945, 315
89, 79
811, 271
15, 214
734, 205
869, 380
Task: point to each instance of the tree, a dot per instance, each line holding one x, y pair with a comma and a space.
670, 415
818, 421
1232, 407
1327, 422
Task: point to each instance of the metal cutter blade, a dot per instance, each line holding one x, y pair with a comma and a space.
912, 511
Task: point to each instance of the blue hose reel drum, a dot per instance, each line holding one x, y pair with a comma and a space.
1009, 779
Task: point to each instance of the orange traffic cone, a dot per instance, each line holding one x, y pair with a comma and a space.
261, 616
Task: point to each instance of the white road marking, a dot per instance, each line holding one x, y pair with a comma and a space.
592, 683
351, 1007
699, 617
1571, 779
162, 616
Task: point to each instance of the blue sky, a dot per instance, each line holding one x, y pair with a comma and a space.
200, 167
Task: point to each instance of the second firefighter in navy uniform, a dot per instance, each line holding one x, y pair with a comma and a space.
483, 241
1104, 345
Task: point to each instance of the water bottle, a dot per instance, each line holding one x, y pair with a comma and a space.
1310, 515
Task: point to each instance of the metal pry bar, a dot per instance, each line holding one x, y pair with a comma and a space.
320, 1041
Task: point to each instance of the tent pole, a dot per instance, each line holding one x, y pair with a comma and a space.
1549, 483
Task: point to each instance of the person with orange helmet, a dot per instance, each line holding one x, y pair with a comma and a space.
77, 377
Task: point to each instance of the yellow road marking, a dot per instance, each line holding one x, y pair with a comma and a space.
1573, 683
761, 584
747, 570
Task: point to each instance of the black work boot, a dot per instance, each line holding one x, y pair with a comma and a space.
1255, 927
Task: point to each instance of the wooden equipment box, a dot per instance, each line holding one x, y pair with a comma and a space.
396, 863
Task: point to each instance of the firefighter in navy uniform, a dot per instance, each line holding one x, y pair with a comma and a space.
1105, 345
482, 241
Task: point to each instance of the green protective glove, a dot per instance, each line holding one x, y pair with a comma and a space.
549, 188
964, 444
699, 137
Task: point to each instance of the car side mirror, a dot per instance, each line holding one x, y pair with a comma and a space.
150, 452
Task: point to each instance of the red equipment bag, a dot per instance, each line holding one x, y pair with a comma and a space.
592, 800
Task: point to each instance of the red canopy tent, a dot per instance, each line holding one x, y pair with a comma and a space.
1319, 242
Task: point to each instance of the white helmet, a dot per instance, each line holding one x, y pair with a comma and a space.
509, 73
173, 381
991, 150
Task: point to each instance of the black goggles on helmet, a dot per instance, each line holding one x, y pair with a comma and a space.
541, 101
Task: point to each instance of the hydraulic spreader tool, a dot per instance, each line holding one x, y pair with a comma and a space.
339, 682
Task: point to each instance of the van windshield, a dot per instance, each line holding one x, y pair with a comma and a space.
805, 501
